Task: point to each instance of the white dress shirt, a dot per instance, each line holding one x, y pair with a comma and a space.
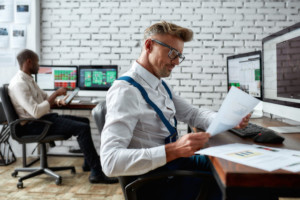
132, 140
27, 98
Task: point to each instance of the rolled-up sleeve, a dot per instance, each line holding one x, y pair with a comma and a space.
123, 113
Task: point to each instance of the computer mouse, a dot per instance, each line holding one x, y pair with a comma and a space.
268, 137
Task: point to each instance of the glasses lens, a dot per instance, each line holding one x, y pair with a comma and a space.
173, 54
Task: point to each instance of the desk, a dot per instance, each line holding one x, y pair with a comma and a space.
240, 180
79, 106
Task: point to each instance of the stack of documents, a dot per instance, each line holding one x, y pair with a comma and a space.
261, 157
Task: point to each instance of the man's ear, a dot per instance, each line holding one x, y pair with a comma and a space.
148, 45
26, 63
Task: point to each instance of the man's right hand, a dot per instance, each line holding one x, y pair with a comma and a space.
61, 91
186, 146
58, 92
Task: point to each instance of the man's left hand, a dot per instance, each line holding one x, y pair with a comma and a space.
244, 122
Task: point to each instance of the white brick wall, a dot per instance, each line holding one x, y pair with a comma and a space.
109, 32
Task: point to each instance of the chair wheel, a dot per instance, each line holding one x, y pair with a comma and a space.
14, 174
73, 171
58, 181
20, 185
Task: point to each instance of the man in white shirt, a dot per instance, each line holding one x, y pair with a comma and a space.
133, 140
31, 102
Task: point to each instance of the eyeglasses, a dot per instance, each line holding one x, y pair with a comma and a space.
173, 53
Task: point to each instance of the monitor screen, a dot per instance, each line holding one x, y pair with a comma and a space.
281, 67
52, 77
244, 72
97, 77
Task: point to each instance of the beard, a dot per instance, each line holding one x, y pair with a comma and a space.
34, 70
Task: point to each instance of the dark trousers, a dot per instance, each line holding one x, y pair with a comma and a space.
70, 126
181, 188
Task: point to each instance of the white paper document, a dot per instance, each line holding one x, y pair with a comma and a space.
261, 157
19, 35
4, 36
22, 11
236, 105
6, 10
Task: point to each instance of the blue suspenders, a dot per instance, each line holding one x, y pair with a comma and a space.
173, 131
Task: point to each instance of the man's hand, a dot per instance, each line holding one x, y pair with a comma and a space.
186, 146
61, 91
244, 122
58, 92
62, 102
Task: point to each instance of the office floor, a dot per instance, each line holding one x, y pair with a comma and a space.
74, 186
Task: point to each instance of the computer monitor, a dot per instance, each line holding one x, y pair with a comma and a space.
281, 70
244, 72
52, 77
97, 77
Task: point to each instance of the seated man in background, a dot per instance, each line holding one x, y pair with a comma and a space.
32, 102
134, 139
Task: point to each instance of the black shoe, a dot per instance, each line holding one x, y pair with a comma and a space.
101, 178
86, 168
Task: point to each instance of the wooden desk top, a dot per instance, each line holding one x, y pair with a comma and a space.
231, 174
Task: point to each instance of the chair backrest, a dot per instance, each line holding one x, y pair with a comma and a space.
2, 114
8, 107
99, 113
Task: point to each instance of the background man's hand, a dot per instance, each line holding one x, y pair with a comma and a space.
61, 91
63, 101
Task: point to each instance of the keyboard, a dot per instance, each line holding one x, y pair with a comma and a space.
250, 131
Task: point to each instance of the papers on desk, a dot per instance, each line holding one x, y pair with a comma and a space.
261, 157
236, 105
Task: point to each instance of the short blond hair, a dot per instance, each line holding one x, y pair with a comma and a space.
164, 27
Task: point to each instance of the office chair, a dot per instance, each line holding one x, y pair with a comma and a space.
7, 155
131, 185
42, 139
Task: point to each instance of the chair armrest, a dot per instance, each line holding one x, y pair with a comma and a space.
141, 180
37, 138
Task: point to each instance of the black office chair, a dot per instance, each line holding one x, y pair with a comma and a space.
7, 155
131, 185
42, 139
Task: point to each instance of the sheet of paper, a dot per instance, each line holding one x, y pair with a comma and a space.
22, 11
260, 157
294, 167
4, 35
19, 36
236, 105
6, 10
